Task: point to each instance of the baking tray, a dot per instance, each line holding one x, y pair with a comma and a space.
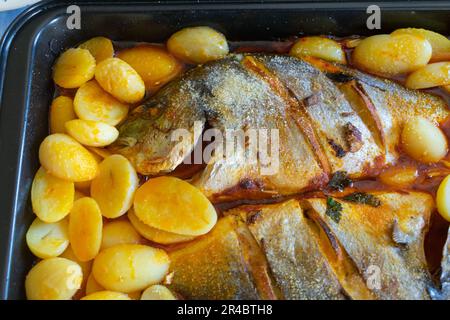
32, 43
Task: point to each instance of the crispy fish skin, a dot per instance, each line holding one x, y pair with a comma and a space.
387, 105
221, 265
329, 118
388, 238
443, 293
299, 267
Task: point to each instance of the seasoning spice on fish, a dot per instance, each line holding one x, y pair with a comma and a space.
339, 181
334, 209
363, 198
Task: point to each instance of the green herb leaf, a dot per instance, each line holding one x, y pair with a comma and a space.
334, 209
363, 198
339, 181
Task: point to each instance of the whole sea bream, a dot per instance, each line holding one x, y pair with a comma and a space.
330, 118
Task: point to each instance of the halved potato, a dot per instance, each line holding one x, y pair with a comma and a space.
51, 197
174, 205
130, 267
390, 55
198, 44
63, 157
431, 75
319, 47
101, 48
53, 279
92, 133
119, 79
47, 240
119, 232
85, 229
153, 63
73, 68
114, 186
423, 141
439, 43
93, 103
156, 235
61, 111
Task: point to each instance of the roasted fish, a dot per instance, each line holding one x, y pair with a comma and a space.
370, 252
328, 118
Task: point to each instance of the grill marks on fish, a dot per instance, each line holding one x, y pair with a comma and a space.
301, 253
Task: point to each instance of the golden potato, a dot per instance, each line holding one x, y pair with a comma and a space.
390, 55
155, 66
114, 186
93, 103
51, 197
423, 141
63, 157
86, 266
53, 279
119, 79
130, 267
443, 198
156, 235
319, 47
47, 240
85, 228
73, 68
157, 292
439, 43
61, 111
119, 232
432, 75
92, 133
198, 45
101, 48
106, 295
173, 205
92, 285
401, 177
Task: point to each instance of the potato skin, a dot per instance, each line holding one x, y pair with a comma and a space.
119, 79
53, 279
61, 111
101, 48
51, 197
154, 64
106, 295
114, 186
391, 55
423, 141
198, 45
65, 158
319, 47
73, 68
85, 229
130, 267
93, 103
175, 206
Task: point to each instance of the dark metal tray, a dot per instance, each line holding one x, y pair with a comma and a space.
32, 43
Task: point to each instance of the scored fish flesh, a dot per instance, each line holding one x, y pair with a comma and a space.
329, 118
